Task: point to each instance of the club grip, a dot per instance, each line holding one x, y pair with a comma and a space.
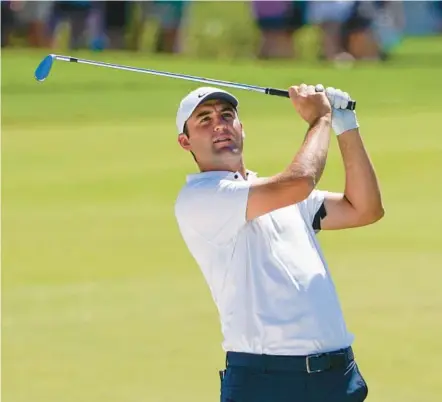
285, 94
277, 92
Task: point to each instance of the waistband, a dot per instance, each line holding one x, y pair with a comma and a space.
309, 364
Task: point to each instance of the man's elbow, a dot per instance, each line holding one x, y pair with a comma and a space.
305, 185
372, 215
377, 214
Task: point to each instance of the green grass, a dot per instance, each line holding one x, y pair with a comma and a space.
101, 300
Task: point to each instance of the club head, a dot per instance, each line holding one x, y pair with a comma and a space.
44, 68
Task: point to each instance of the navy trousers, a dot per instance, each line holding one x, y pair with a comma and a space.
333, 377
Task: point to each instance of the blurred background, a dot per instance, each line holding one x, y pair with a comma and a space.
363, 30
101, 301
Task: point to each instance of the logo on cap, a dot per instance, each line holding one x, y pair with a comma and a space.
201, 95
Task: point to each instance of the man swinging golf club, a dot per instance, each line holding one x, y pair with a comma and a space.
255, 241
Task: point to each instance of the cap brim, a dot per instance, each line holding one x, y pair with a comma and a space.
221, 96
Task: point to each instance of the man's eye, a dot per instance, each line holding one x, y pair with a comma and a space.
228, 115
207, 118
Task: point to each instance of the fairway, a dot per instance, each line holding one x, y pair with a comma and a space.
102, 301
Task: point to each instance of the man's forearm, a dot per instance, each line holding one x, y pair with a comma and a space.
311, 158
361, 184
298, 180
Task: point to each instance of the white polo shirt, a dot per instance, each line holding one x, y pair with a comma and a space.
268, 277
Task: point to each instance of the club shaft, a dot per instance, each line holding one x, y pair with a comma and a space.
269, 91
162, 73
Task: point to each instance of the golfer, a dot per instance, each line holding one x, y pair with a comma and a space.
254, 239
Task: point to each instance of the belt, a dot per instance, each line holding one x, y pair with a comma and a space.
313, 363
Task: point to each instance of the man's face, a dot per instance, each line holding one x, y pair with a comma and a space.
214, 134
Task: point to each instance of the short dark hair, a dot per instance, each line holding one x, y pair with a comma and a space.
186, 133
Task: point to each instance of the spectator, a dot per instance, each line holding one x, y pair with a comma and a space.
115, 19
76, 13
358, 36
389, 26
438, 10
35, 16
277, 22
330, 17
169, 15
7, 22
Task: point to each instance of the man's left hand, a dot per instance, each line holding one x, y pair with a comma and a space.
342, 119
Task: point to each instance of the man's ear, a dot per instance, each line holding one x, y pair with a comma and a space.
183, 140
243, 132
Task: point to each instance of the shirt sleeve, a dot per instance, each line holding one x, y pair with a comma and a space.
216, 210
313, 210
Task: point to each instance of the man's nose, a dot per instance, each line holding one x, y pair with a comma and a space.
220, 123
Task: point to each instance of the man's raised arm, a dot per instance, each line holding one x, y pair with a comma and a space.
300, 177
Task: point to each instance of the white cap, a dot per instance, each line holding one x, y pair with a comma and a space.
195, 98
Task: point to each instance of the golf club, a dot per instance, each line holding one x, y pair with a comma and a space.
44, 68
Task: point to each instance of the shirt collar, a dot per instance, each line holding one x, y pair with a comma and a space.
220, 174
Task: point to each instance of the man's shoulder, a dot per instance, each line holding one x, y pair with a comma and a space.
206, 182
208, 191
190, 188
194, 192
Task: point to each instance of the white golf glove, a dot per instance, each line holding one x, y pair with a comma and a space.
342, 119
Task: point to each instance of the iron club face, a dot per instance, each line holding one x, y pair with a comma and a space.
44, 68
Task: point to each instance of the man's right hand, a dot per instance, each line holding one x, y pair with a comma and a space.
310, 105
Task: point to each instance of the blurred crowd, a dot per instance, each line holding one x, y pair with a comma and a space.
356, 29
347, 28
92, 24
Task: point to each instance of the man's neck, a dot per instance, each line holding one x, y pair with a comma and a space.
242, 171
237, 167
